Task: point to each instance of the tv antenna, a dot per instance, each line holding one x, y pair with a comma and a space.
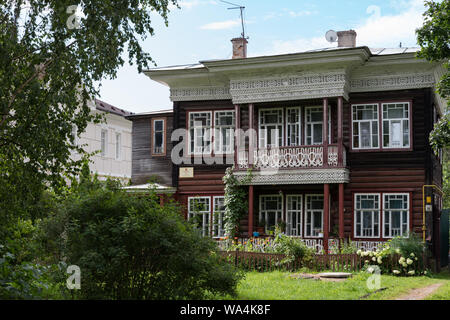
237, 6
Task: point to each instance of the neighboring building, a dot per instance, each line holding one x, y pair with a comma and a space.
112, 139
360, 176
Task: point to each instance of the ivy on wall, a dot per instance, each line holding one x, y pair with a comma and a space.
236, 201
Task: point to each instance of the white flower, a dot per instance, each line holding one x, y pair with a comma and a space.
358, 252
415, 258
374, 259
409, 261
395, 271
412, 254
404, 264
397, 250
380, 260
401, 260
370, 270
411, 272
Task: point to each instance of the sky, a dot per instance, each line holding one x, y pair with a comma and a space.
202, 30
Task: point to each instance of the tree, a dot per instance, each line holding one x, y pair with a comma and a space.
51, 61
130, 247
433, 38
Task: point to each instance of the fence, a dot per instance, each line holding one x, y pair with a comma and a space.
274, 261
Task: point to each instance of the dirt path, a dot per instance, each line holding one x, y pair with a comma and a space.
420, 293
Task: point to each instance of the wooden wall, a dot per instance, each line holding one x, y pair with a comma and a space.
144, 165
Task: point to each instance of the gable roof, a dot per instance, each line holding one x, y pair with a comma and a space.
106, 107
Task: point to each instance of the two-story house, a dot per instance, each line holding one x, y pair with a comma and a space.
336, 140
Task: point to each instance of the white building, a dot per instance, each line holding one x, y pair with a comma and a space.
112, 139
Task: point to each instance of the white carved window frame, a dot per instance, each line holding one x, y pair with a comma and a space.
360, 121
298, 212
387, 211
262, 128
205, 135
229, 129
162, 151
118, 145
296, 126
104, 142
205, 214
375, 212
309, 216
218, 215
405, 119
264, 212
313, 123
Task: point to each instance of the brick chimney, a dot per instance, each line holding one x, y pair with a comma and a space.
239, 48
347, 38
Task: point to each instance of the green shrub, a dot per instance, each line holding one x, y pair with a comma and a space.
133, 248
294, 249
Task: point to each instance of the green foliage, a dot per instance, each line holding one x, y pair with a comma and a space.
236, 201
433, 39
133, 248
294, 249
49, 71
345, 247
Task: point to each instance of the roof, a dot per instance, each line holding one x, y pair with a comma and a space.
159, 188
373, 51
103, 106
150, 113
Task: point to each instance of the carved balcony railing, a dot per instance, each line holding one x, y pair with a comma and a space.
292, 157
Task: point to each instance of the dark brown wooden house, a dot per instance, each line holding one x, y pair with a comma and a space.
336, 140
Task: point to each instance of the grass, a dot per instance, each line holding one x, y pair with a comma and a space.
279, 285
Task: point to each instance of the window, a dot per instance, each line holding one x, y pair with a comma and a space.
75, 135
314, 215
223, 132
365, 126
270, 211
199, 213
294, 215
104, 142
314, 120
396, 125
218, 228
293, 126
367, 215
396, 214
270, 128
159, 137
118, 145
199, 132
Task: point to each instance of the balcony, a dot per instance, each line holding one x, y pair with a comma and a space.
298, 157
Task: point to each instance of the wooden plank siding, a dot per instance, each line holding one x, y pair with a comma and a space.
145, 166
370, 171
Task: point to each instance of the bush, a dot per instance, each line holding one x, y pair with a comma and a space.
133, 248
294, 249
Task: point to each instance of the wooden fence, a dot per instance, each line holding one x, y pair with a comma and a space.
336, 262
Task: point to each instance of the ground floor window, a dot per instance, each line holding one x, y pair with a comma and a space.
392, 208
294, 213
218, 227
396, 214
367, 215
270, 211
199, 213
314, 216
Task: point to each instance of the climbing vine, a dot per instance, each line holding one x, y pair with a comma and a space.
236, 201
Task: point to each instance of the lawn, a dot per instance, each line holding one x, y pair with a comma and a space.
278, 285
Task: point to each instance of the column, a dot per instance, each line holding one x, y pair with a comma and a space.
341, 211
325, 132
326, 212
251, 138
237, 138
250, 211
340, 132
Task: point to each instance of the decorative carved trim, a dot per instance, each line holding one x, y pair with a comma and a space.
201, 93
392, 82
301, 176
309, 86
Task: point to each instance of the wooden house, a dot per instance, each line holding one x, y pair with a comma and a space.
336, 141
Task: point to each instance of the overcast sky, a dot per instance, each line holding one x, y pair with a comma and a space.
202, 30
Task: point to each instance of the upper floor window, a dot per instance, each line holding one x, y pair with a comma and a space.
365, 126
314, 121
200, 132
118, 145
381, 126
159, 137
293, 126
396, 125
104, 142
270, 128
223, 132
